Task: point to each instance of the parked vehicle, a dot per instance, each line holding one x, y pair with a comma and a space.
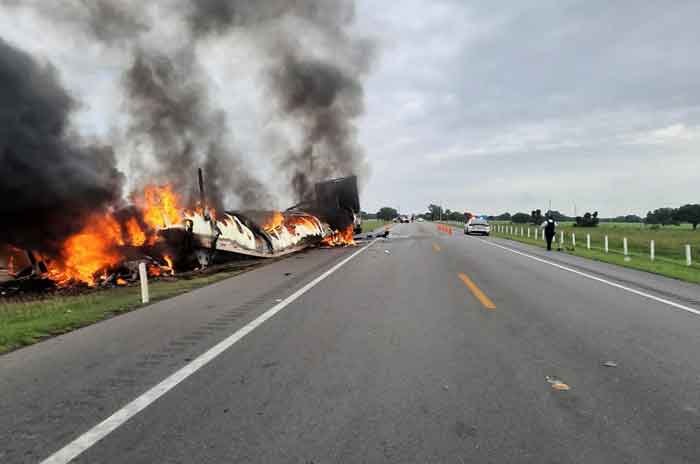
477, 226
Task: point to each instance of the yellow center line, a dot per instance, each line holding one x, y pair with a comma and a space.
436, 247
481, 296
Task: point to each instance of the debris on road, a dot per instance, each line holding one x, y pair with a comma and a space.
610, 364
557, 384
387, 252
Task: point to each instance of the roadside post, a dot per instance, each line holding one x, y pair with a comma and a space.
528, 232
588, 241
607, 248
536, 231
143, 274
688, 256
573, 240
625, 249
652, 250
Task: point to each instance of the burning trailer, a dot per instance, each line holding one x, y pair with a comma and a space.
329, 219
158, 231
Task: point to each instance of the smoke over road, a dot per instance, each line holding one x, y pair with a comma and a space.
50, 179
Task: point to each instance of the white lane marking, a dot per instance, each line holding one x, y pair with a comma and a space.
598, 279
107, 426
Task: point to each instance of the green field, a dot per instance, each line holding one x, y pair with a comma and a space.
669, 241
369, 225
26, 322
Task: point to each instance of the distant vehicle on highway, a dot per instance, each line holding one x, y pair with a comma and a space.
477, 226
420, 219
404, 219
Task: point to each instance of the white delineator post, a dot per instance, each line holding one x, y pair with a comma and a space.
522, 232
688, 256
607, 247
528, 232
652, 250
625, 249
573, 240
561, 239
143, 274
588, 241
536, 232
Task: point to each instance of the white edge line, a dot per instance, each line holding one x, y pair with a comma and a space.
107, 426
598, 279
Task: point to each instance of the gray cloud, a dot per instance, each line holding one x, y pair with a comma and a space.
494, 106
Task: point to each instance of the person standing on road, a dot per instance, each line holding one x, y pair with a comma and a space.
550, 230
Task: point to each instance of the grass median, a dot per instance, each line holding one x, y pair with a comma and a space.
24, 322
370, 225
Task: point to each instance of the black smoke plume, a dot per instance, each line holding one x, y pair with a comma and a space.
321, 96
323, 101
50, 180
170, 112
314, 68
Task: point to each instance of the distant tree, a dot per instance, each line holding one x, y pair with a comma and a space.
587, 220
689, 214
663, 216
536, 217
455, 216
520, 218
631, 218
387, 214
557, 216
435, 212
503, 217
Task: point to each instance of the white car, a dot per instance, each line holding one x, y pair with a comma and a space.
477, 226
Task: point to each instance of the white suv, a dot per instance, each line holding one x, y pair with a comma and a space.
477, 226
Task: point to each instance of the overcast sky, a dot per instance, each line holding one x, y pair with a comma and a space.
480, 106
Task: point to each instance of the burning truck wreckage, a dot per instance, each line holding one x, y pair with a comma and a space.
170, 238
65, 164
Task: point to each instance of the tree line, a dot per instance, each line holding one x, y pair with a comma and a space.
674, 216
689, 214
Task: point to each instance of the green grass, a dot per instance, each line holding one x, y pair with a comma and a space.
369, 225
669, 242
26, 322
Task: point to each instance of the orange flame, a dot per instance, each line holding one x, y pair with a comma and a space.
340, 238
137, 237
121, 282
91, 250
160, 206
88, 255
169, 268
273, 222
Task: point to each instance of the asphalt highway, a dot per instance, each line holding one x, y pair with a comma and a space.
425, 347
